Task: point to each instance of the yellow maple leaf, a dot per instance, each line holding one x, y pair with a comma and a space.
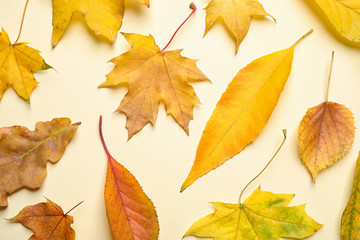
264, 215
242, 112
326, 134
344, 16
236, 14
103, 17
152, 76
17, 64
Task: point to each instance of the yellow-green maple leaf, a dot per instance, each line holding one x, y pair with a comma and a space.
263, 216
104, 17
236, 14
344, 15
17, 64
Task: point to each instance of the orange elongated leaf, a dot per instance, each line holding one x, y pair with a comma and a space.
17, 64
236, 14
242, 112
326, 134
47, 220
130, 212
350, 221
103, 17
263, 216
24, 153
154, 76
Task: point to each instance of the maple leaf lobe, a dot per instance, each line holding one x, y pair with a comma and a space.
103, 17
153, 76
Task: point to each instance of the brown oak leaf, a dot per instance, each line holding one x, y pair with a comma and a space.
24, 153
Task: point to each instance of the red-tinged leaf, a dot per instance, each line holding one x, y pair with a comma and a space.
131, 214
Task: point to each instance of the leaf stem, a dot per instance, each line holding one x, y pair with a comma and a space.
193, 7
305, 35
102, 138
284, 132
328, 85
22, 21
73, 208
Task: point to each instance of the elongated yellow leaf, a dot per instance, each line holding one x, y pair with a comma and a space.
242, 112
350, 221
344, 15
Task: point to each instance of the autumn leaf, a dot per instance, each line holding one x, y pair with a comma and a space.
154, 76
17, 64
344, 15
47, 220
236, 15
263, 216
130, 212
103, 17
24, 153
326, 134
242, 112
350, 221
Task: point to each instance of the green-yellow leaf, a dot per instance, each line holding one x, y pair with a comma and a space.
242, 112
344, 15
263, 216
350, 221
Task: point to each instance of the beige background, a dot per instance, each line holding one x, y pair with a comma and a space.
160, 156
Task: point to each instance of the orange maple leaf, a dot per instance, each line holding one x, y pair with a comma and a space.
154, 76
326, 134
130, 211
47, 221
24, 154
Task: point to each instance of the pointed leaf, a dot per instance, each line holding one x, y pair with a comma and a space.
350, 221
131, 214
17, 64
103, 17
242, 112
47, 221
154, 76
263, 216
344, 15
236, 14
24, 154
326, 134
